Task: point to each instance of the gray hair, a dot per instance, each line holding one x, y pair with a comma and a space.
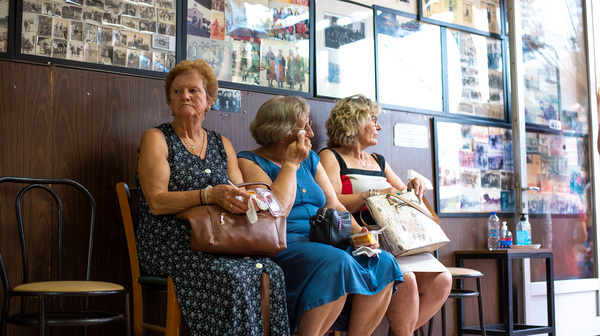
276, 119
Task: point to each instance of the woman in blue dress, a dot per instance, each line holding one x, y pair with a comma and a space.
326, 287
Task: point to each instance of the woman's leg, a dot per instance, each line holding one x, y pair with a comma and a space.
265, 303
434, 289
403, 311
368, 310
413, 305
316, 321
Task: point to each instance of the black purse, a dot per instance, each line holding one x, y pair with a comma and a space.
332, 227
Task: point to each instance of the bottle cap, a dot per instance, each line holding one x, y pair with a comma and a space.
523, 217
503, 225
493, 213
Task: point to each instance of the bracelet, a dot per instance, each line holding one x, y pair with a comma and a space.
200, 192
370, 192
206, 195
362, 195
376, 192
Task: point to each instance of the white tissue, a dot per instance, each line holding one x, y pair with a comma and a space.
411, 174
366, 250
251, 213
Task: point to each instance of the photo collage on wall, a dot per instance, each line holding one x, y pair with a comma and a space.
133, 34
479, 14
558, 165
475, 168
482, 76
4, 26
254, 42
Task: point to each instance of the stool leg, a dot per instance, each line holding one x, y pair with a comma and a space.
481, 323
444, 319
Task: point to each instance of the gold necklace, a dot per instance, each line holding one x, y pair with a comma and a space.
362, 165
190, 146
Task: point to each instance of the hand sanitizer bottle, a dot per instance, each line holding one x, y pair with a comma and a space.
505, 237
523, 231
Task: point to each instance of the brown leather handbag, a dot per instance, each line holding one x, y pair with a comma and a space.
216, 230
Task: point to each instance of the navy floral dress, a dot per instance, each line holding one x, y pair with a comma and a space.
218, 295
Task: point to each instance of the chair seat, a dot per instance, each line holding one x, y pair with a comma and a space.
68, 287
464, 272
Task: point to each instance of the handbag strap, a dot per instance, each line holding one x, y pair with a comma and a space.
431, 213
253, 183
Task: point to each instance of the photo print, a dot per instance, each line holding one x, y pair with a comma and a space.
146, 60
106, 36
228, 101
495, 161
114, 7
28, 43
491, 200
507, 181
246, 60
131, 9
105, 55
495, 143
119, 38
480, 155
44, 26
59, 48
75, 51
163, 42
218, 54
90, 33
198, 18
109, 19
248, 18
32, 6
98, 4
490, 179
285, 65
449, 177
166, 16
147, 26
507, 201
343, 30
129, 22
166, 29
146, 3
90, 53
466, 159
133, 58
165, 4
449, 199
217, 27
469, 178
160, 63
470, 200
288, 22
72, 13
217, 5
52, 8
91, 15
139, 41
148, 13
119, 56
43, 46
30, 23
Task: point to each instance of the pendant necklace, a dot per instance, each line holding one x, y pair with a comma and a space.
362, 165
192, 147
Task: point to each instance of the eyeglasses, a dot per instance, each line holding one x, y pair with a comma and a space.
374, 120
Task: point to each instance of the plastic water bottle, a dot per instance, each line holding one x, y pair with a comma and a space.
493, 224
523, 231
506, 239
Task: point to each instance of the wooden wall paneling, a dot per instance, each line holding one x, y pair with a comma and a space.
25, 116
101, 118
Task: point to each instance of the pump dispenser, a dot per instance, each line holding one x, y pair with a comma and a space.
523, 231
505, 236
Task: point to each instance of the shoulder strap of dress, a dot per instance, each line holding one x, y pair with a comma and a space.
339, 159
380, 160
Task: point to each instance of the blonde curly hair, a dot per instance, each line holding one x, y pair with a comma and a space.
209, 80
348, 115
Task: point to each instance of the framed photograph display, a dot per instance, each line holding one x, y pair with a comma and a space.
406, 6
135, 35
262, 43
345, 49
409, 62
558, 164
475, 75
482, 15
475, 168
4, 24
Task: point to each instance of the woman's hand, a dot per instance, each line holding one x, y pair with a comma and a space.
298, 150
418, 186
372, 246
225, 196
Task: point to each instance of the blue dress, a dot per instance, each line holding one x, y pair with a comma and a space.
315, 273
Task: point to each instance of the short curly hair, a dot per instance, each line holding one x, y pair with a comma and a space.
276, 119
347, 116
210, 83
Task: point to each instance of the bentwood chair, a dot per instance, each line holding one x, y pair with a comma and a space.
53, 287
129, 204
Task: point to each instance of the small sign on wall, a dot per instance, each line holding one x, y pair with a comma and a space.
408, 135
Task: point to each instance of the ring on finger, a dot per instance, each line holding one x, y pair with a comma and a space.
230, 206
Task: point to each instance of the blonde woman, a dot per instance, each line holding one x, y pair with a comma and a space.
352, 127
